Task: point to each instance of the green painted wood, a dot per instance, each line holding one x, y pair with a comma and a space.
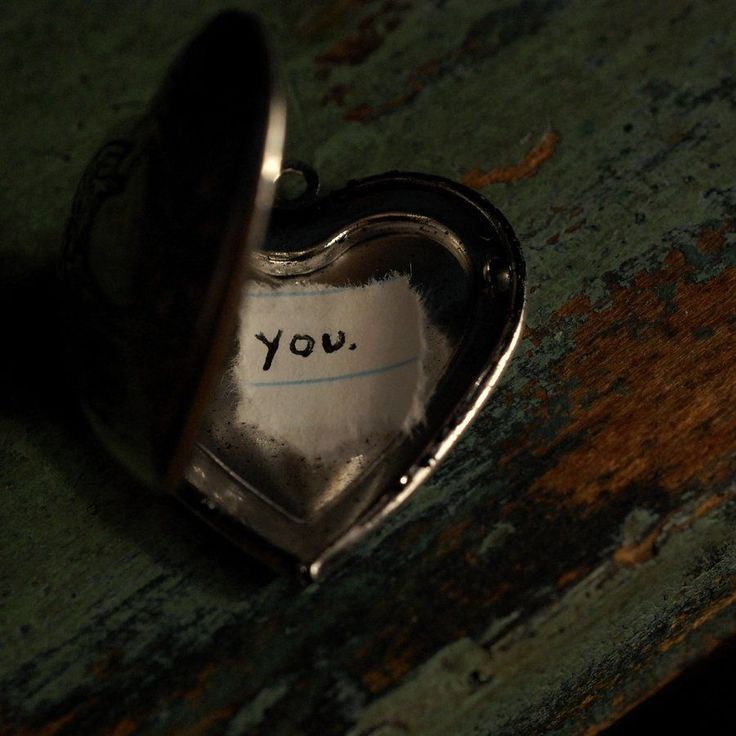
577, 548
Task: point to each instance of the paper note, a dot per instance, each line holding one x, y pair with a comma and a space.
319, 367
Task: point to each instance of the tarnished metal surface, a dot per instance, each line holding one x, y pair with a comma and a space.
575, 550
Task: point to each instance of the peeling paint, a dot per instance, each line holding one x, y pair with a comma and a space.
648, 392
253, 713
369, 35
528, 166
496, 537
577, 635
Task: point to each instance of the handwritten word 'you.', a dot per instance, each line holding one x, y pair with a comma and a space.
302, 345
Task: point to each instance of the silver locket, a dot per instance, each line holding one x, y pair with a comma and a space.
176, 216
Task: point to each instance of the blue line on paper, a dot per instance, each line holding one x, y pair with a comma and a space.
315, 292
343, 377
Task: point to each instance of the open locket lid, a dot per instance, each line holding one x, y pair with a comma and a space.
167, 232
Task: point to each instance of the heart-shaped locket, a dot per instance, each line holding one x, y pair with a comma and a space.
292, 385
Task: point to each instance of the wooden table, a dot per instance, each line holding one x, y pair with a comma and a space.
573, 553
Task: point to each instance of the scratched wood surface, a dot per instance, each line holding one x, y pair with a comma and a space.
574, 552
